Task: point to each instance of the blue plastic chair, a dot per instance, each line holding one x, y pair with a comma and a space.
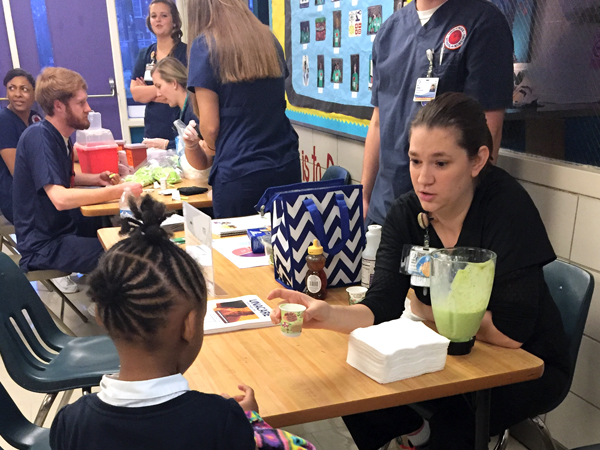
333, 172
571, 288
71, 362
17, 430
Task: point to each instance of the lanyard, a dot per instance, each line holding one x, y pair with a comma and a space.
184, 107
429, 53
70, 148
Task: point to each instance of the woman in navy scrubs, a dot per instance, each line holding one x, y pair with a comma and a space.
170, 79
164, 21
237, 72
18, 115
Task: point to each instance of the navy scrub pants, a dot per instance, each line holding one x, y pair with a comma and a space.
237, 197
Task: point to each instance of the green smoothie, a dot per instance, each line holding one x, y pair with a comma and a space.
458, 313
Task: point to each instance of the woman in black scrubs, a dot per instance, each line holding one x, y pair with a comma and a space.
468, 203
164, 21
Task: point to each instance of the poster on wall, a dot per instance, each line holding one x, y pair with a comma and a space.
340, 45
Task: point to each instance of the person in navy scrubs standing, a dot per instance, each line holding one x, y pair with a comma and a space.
51, 232
17, 116
463, 46
237, 72
164, 21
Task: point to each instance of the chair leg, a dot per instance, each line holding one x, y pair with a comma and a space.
65, 299
502, 441
45, 409
547, 441
64, 401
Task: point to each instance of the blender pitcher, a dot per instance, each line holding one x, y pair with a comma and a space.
461, 285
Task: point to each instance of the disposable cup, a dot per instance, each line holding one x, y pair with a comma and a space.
292, 318
356, 294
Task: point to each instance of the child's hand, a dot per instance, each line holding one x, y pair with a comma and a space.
247, 400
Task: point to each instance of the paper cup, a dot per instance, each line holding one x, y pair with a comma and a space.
356, 294
292, 318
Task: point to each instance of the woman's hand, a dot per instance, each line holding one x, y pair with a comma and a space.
139, 81
317, 311
246, 400
190, 136
156, 143
419, 308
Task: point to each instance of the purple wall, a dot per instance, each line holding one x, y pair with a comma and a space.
25, 36
81, 42
5, 61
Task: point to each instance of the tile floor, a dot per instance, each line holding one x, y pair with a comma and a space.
324, 434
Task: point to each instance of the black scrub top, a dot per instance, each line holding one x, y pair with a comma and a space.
159, 117
11, 129
501, 218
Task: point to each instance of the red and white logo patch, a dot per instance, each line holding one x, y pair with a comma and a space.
35, 118
455, 38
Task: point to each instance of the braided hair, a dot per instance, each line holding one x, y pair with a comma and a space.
140, 278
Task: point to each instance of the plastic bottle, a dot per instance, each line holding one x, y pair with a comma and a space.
124, 208
368, 255
316, 280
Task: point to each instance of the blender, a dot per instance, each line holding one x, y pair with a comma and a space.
461, 285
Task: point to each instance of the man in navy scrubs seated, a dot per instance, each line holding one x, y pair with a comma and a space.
51, 232
460, 45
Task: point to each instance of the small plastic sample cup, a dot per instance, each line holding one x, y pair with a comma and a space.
356, 294
266, 241
292, 318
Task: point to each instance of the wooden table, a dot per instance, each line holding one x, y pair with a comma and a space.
299, 380
112, 208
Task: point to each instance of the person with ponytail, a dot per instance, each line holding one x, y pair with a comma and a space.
237, 72
151, 298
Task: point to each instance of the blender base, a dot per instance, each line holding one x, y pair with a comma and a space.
461, 348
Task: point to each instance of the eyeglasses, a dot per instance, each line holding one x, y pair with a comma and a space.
23, 89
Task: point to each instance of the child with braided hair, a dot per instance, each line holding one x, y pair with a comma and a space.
151, 298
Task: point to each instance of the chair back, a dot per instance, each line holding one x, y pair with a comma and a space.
333, 172
16, 429
25, 362
571, 288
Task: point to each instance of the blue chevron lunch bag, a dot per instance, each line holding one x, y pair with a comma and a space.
329, 211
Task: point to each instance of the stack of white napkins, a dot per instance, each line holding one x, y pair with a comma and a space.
396, 350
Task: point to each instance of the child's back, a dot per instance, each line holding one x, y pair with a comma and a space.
192, 420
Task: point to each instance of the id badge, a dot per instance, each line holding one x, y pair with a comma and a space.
416, 262
426, 89
148, 73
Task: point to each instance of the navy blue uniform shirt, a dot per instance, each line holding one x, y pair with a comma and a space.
159, 117
42, 159
11, 128
254, 132
477, 60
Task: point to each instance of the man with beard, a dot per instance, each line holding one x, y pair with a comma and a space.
51, 232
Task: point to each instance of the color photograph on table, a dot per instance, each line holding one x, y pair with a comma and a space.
337, 70
320, 71
320, 28
337, 29
319, 2
355, 65
355, 23
304, 3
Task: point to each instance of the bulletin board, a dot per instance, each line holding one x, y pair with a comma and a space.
328, 47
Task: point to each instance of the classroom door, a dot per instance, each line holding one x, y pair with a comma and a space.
67, 33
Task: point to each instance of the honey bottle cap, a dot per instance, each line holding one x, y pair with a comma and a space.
315, 248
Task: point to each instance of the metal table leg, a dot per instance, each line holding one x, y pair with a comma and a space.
482, 419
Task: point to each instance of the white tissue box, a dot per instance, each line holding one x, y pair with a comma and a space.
396, 350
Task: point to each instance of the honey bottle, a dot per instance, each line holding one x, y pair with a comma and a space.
316, 280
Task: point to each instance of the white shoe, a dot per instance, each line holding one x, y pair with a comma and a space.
66, 285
